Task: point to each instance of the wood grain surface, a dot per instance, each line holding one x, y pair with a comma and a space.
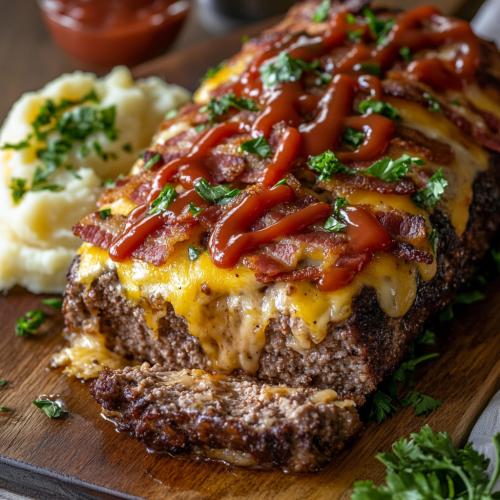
81, 456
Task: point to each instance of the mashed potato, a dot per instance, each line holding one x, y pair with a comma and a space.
37, 245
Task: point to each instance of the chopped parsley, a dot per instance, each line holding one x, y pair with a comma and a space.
29, 324
282, 182
105, 213
211, 72
380, 108
321, 12
464, 298
3, 382
379, 28
428, 466
355, 36
353, 137
202, 127
167, 196
327, 164
382, 407
405, 53
289, 69
220, 105
103, 154
244, 39
220, 195
350, 18
456, 102
422, 403
258, 146
4, 408
433, 104
110, 183
193, 253
152, 161
53, 302
427, 338
195, 210
50, 408
336, 221
18, 146
171, 114
369, 68
127, 147
392, 170
432, 240
432, 193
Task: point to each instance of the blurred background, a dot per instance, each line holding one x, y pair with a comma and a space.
30, 57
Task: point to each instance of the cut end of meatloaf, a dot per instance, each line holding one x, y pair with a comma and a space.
241, 422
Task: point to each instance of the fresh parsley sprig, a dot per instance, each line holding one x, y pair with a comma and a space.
336, 222
327, 164
352, 137
220, 195
193, 253
380, 108
30, 323
379, 28
321, 12
220, 105
53, 302
464, 298
50, 408
211, 72
392, 170
432, 193
167, 196
434, 106
429, 467
258, 146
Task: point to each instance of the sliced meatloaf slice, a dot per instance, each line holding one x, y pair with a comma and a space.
238, 421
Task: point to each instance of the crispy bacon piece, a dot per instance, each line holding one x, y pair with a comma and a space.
345, 183
409, 252
402, 226
101, 233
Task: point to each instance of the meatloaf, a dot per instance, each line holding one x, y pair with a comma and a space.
221, 417
329, 190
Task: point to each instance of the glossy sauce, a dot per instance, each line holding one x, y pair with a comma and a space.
287, 102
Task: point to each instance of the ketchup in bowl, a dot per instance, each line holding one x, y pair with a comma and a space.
105, 33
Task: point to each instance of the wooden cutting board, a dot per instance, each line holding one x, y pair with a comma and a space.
81, 456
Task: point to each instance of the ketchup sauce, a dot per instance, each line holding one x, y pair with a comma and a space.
286, 103
105, 33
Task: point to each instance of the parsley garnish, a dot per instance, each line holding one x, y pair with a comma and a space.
201, 127
171, 114
29, 324
258, 146
350, 18
432, 240
282, 182
4, 408
193, 253
392, 170
428, 338
3, 382
211, 72
167, 195
289, 69
195, 210
379, 28
219, 106
127, 147
369, 68
152, 161
422, 403
382, 407
50, 408
105, 213
321, 12
103, 154
465, 298
407, 369
20, 145
428, 466
335, 222
220, 195
53, 302
244, 39
380, 108
110, 183
355, 36
327, 164
433, 104
456, 102
405, 53
433, 192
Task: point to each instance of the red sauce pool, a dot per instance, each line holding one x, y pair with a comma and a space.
104, 33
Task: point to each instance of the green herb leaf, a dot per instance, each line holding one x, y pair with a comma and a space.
258, 146
4, 408
211, 72
282, 182
495, 254
382, 407
220, 105
447, 314
405, 53
380, 108
18, 188
50, 408
3, 382
433, 104
355, 36
194, 209
422, 403
407, 369
244, 39
321, 12
110, 183
369, 68
171, 114
29, 324
167, 196
392, 170
221, 195
456, 102
128, 148
83, 151
152, 161
53, 302
105, 213
327, 164
334, 225
432, 193
350, 18
193, 253
286, 69
427, 338
201, 127
379, 28
20, 145
353, 137
432, 240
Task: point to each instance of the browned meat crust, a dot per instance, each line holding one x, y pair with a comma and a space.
245, 422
